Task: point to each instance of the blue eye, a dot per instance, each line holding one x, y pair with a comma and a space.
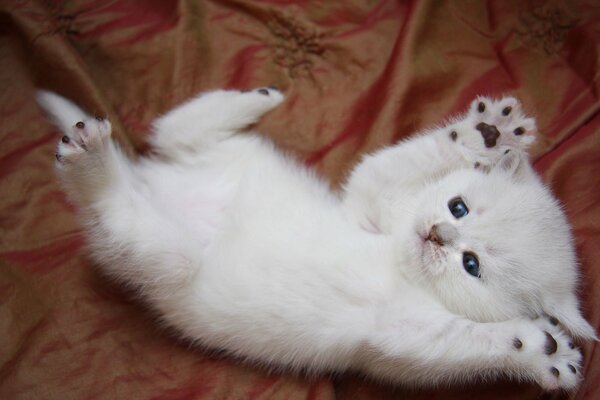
471, 264
457, 207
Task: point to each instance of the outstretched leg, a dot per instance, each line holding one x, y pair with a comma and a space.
435, 347
209, 118
128, 235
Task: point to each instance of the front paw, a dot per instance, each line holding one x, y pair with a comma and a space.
547, 351
490, 129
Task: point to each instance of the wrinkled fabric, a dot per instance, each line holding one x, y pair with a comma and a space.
358, 75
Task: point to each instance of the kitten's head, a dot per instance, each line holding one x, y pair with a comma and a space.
493, 246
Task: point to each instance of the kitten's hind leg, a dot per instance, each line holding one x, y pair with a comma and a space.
129, 236
88, 161
210, 118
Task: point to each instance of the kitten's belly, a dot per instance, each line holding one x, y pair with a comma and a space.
195, 199
277, 258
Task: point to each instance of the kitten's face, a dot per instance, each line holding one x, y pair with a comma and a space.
491, 248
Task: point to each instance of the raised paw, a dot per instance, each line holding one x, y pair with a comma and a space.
86, 136
549, 353
491, 128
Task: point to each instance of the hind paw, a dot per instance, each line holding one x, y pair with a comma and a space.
88, 136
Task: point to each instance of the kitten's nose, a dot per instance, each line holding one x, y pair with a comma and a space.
442, 233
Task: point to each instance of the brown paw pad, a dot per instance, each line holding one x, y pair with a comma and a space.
551, 346
489, 132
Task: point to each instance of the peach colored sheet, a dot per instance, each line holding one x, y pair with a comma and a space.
358, 75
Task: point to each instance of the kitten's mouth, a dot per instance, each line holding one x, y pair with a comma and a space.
432, 253
433, 250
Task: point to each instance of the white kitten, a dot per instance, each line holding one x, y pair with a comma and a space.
425, 270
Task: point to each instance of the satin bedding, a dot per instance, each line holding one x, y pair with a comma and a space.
358, 75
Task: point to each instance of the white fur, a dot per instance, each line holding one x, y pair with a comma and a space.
241, 248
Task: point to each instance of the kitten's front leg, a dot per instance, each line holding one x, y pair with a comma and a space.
444, 348
478, 139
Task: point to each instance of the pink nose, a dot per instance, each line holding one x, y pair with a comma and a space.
442, 234
433, 236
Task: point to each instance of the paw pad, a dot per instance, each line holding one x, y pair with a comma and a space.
489, 132
551, 346
517, 343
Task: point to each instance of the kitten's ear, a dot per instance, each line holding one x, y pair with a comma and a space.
515, 164
568, 314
